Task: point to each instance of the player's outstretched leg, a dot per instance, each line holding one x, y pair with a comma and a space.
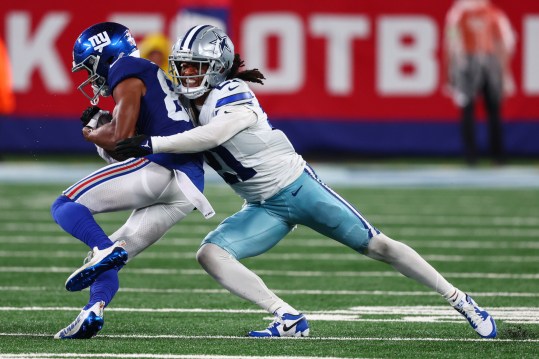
287, 325
87, 324
480, 320
409, 263
98, 262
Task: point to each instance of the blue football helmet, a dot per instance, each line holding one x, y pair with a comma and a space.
203, 45
95, 50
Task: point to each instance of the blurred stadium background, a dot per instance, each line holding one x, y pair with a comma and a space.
345, 79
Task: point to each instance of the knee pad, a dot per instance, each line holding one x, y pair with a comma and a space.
386, 248
378, 246
209, 252
202, 254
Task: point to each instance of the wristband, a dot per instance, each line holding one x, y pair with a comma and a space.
94, 120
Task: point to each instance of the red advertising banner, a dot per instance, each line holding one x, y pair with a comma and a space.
369, 60
40, 37
351, 60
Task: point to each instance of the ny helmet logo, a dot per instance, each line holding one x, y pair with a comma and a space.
99, 41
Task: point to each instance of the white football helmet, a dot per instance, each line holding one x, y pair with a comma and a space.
203, 44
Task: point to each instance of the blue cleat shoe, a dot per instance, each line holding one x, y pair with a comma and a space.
97, 262
87, 324
289, 325
478, 318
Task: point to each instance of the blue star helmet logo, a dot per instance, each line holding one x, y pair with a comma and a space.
221, 41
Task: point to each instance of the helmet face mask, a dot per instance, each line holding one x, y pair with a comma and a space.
95, 50
192, 84
204, 46
97, 82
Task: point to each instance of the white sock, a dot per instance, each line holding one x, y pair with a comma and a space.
454, 297
286, 308
239, 280
409, 263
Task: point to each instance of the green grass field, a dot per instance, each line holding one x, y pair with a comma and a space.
483, 241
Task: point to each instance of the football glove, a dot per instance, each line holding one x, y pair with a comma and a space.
95, 117
136, 146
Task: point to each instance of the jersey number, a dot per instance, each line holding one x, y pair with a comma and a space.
234, 171
172, 103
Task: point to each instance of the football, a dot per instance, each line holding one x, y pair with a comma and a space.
95, 117
103, 118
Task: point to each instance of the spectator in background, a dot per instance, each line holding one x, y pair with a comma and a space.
156, 48
479, 42
7, 99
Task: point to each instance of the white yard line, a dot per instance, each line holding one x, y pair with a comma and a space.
285, 256
44, 216
400, 314
394, 229
287, 292
277, 273
149, 356
312, 338
300, 243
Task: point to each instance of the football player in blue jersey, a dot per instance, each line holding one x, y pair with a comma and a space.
280, 189
161, 189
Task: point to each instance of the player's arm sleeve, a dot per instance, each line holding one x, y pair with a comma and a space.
221, 128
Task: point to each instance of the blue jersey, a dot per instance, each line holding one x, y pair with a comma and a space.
161, 113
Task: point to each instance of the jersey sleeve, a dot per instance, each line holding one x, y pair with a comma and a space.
232, 120
230, 93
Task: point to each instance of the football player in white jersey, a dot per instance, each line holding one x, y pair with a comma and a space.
280, 189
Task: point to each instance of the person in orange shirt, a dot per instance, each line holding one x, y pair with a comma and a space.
479, 42
7, 99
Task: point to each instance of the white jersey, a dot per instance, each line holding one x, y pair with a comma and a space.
239, 143
258, 161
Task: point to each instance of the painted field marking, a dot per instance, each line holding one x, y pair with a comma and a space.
313, 338
284, 291
265, 272
400, 314
150, 356
298, 242
286, 256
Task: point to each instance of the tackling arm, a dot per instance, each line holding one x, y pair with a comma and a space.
222, 127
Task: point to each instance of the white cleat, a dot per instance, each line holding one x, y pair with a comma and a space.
478, 318
87, 324
289, 325
97, 262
